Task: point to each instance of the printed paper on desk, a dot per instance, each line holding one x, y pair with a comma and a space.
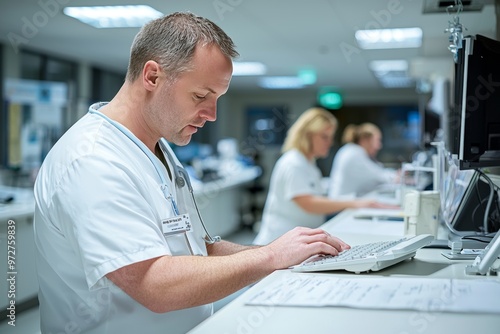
430, 294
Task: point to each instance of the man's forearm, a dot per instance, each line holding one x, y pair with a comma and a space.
224, 247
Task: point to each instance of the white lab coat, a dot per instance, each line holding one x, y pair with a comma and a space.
99, 207
292, 176
354, 173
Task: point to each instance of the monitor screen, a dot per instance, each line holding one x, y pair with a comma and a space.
455, 186
464, 197
475, 120
431, 126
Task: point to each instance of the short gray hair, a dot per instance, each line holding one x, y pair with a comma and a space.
171, 41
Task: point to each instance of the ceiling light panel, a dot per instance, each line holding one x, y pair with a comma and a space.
388, 65
392, 73
281, 82
248, 68
389, 38
113, 16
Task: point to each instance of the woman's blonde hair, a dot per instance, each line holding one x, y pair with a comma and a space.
312, 121
354, 133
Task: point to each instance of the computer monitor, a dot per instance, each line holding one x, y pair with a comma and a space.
464, 198
431, 127
474, 123
435, 113
456, 186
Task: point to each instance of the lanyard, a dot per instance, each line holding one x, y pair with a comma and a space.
163, 185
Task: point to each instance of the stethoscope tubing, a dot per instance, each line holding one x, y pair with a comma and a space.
182, 179
180, 175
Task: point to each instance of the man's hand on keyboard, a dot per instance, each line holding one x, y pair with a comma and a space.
301, 243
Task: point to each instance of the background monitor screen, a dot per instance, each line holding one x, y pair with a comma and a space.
464, 200
431, 126
475, 119
455, 185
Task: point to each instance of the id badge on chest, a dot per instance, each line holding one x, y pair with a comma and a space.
175, 230
175, 225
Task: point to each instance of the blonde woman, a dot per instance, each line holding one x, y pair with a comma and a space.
296, 197
355, 170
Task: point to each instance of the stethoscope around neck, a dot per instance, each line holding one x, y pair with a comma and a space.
181, 177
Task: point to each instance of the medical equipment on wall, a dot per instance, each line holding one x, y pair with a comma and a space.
455, 29
181, 177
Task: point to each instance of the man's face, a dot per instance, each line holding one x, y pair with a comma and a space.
180, 108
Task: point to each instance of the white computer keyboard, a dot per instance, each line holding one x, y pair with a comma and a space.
368, 257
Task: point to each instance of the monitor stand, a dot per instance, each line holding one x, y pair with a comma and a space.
466, 247
490, 155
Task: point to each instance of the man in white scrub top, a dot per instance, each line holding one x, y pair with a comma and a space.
119, 249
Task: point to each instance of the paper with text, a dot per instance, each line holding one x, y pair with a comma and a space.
422, 294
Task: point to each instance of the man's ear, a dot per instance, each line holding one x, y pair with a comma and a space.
150, 74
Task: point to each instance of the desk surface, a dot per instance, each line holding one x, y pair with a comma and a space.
23, 204
237, 317
239, 177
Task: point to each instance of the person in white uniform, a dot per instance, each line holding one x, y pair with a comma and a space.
120, 247
355, 170
296, 196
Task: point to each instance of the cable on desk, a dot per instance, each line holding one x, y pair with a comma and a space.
482, 238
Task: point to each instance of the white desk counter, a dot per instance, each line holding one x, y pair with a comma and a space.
237, 317
22, 206
220, 201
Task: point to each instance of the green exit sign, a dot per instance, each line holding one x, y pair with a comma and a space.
329, 98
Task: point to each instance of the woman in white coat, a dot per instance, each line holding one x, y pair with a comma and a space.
296, 197
355, 170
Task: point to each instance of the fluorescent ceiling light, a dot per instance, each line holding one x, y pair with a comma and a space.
395, 82
303, 78
389, 38
281, 82
392, 73
388, 65
308, 76
113, 16
248, 68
